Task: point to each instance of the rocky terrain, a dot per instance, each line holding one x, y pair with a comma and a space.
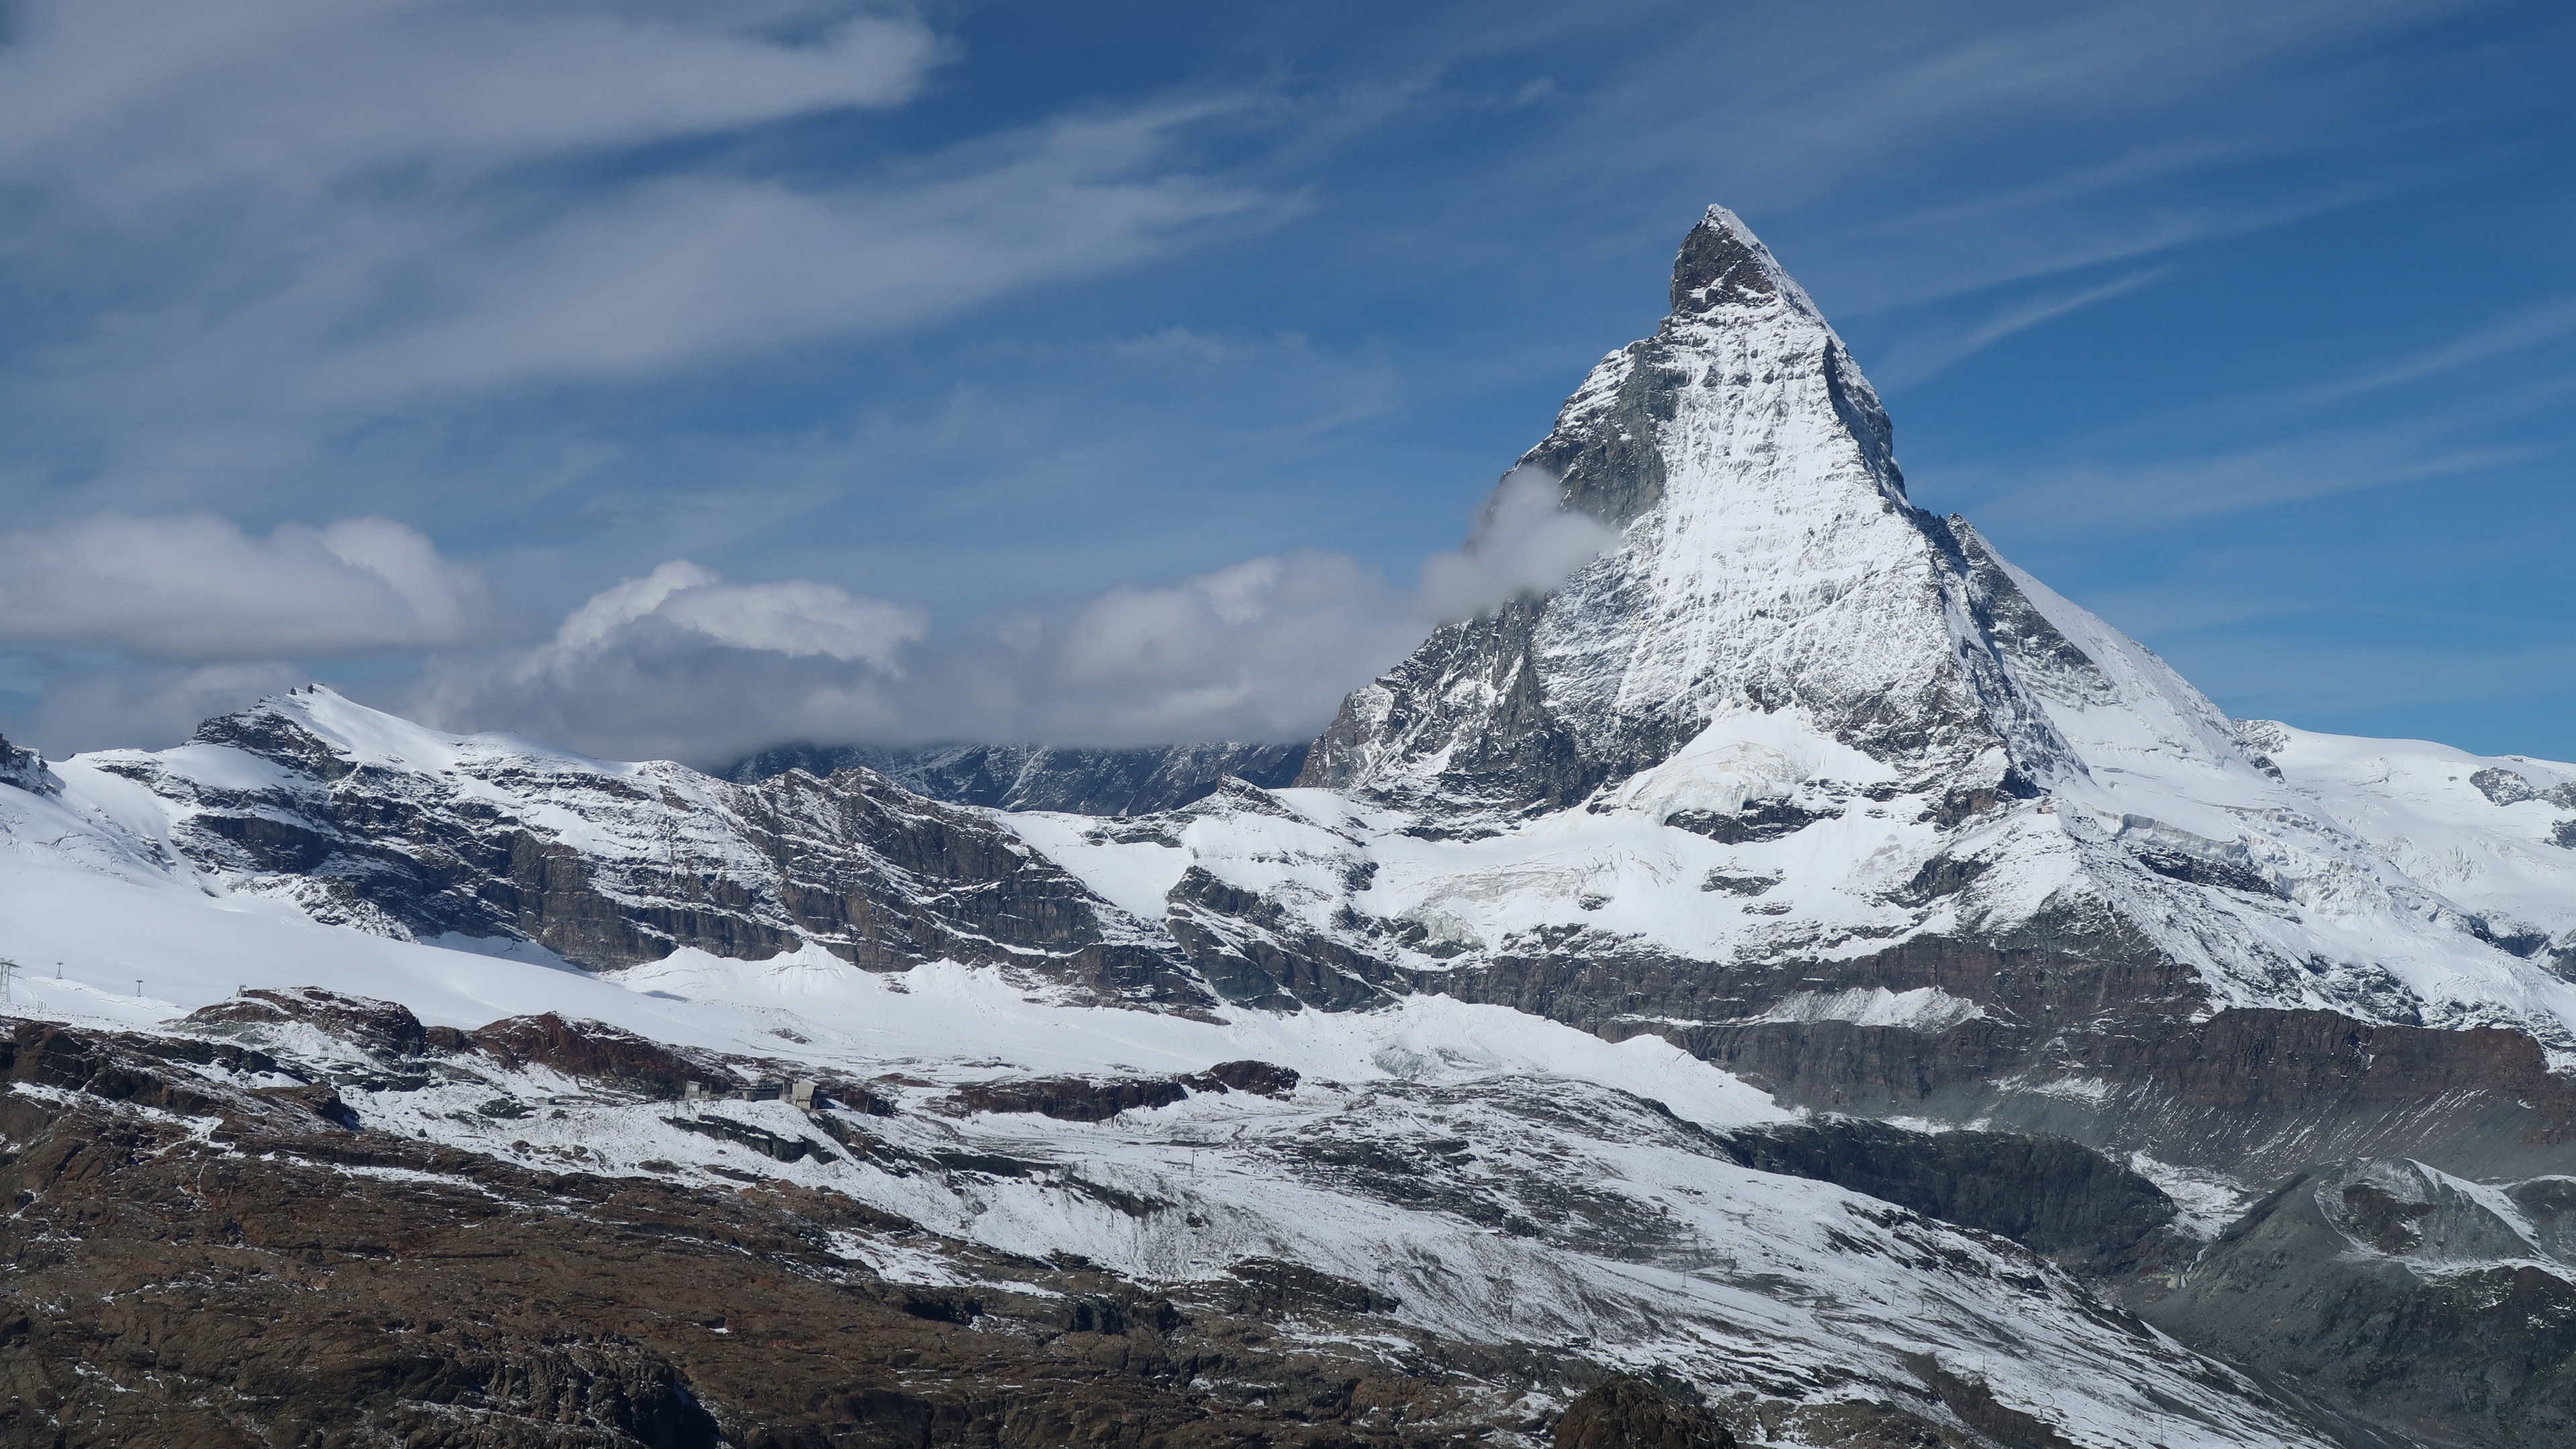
1798, 982
300, 1215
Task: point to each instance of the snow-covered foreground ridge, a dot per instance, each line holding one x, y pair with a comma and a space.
1796, 799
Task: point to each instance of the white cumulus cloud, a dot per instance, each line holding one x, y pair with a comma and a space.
197, 587
793, 618
680, 663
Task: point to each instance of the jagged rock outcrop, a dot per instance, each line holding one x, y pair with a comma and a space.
1628, 1413
25, 769
2419, 1303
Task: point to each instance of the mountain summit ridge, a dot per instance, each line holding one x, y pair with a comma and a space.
1769, 558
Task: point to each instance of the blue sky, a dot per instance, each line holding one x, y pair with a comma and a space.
670, 379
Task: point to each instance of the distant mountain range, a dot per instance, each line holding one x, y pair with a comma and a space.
1039, 777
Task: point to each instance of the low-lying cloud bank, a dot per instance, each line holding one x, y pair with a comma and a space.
680, 663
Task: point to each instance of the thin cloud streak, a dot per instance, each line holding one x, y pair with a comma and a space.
2546, 322
2161, 494
1906, 366
136, 101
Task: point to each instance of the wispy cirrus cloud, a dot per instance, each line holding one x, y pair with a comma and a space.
2081, 497
2530, 327
411, 203
1910, 362
138, 101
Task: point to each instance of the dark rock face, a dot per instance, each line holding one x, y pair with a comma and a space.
1630, 1413
1274, 1290
759, 1139
1255, 953
1758, 820
386, 1027
1262, 1079
25, 769
2504, 787
1070, 1099
2402, 1298
2057, 1198
1097, 1099
1515, 754
1033, 777
2512, 787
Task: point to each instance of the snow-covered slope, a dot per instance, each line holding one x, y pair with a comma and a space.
2495, 834
1479, 1191
1498, 1180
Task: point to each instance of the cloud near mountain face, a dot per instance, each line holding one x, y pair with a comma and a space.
680, 663
1524, 542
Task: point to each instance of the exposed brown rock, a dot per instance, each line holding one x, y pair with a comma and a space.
236, 1293
1070, 1099
1630, 1413
589, 1049
1264, 1079
382, 1026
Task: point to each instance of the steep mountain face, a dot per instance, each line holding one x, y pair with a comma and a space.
1801, 978
1036, 777
1769, 563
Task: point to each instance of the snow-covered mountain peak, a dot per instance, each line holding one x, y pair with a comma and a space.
1769, 560
316, 727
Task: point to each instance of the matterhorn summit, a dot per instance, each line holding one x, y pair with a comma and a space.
1797, 981
1769, 565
